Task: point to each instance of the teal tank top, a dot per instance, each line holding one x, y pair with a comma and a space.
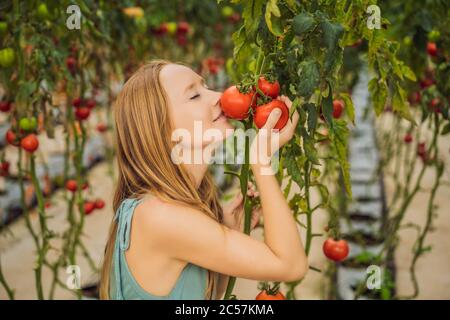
190, 285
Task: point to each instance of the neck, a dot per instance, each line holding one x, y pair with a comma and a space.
197, 171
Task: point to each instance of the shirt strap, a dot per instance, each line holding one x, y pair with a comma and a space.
123, 217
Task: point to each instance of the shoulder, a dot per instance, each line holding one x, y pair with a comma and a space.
162, 220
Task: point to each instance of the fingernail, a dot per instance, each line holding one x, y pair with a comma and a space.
277, 112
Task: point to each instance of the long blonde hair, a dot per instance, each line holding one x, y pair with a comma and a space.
144, 164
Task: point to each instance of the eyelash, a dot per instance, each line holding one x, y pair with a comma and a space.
198, 95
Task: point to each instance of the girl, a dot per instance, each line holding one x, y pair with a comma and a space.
170, 238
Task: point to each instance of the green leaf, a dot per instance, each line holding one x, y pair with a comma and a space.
295, 105
327, 109
302, 23
339, 136
349, 107
408, 73
332, 32
309, 74
308, 146
252, 14
325, 194
310, 151
312, 117
291, 4
293, 168
272, 10
242, 47
446, 129
378, 91
400, 105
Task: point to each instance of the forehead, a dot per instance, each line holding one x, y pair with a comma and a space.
176, 76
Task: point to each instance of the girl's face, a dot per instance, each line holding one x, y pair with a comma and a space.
194, 108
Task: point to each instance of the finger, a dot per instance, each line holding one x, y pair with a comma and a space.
272, 119
286, 100
256, 215
236, 200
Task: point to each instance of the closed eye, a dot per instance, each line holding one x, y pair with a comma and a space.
195, 96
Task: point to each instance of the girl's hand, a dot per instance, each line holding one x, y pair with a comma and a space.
272, 139
233, 213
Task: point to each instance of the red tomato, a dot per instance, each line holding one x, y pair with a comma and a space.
89, 206
101, 127
357, 43
5, 106
71, 185
181, 40
30, 143
408, 138
264, 295
421, 149
71, 64
271, 89
338, 107
82, 113
262, 113
5, 165
4, 168
235, 104
77, 102
161, 30
90, 103
415, 97
434, 105
427, 82
234, 18
99, 204
336, 250
11, 138
432, 49
182, 27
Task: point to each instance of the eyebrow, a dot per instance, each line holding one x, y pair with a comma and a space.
202, 80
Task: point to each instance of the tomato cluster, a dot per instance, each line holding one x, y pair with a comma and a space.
236, 104
83, 107
90, 206
180, 30
28, 142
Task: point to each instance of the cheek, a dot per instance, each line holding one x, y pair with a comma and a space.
189, 117
184, 117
